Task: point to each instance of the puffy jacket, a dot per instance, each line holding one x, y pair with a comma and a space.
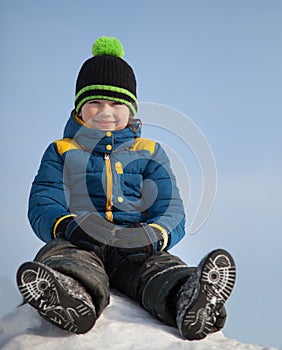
119, 175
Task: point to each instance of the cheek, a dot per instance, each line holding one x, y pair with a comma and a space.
85, 117
124, 116
124, 120
87, 113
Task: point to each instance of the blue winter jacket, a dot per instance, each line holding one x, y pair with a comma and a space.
119, 175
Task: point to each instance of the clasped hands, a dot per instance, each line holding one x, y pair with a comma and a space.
92, 232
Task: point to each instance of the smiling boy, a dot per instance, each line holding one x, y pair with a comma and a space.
106, 203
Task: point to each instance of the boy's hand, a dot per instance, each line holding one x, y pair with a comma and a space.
138, 243
87, 231
91, 232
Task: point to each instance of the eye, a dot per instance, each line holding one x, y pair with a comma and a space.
94, 102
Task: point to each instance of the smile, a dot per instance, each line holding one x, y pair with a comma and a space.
106, 122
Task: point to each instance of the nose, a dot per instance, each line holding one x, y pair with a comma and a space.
106, 109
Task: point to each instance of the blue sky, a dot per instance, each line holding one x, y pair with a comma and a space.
217, 62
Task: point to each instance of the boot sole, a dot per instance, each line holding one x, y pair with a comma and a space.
42, 290
216, 281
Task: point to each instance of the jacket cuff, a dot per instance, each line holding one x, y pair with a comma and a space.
61, 222
163, 232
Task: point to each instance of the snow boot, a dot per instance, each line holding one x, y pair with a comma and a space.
58, 298
201, 298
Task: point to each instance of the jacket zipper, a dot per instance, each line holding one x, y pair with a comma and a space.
109, 187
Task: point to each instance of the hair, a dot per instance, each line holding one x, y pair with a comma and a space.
134, 123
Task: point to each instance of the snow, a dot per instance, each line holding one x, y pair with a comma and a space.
123, 326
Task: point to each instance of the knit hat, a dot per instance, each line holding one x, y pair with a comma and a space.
106, 76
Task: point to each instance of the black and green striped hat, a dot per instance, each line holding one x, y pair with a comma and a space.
106, 76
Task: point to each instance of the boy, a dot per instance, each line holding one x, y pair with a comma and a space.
106, 203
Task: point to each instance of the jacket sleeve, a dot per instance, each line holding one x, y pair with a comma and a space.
163, 201
47, 201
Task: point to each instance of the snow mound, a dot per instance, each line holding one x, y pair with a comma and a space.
123, 326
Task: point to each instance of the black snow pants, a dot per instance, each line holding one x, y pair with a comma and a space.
152, 283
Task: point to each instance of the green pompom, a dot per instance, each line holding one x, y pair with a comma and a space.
107, 46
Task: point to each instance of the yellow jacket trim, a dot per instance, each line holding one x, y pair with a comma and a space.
164, 233
58, 221
109, 190
118, 167
80, 121
143, 144
67, 144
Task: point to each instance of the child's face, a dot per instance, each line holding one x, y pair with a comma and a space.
105, 115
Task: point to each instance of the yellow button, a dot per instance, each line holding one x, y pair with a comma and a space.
109, 147
120, 199
108, 134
